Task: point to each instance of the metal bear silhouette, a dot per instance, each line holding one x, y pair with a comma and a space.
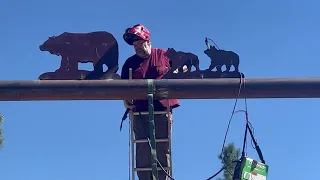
97, 47
178, 59
101, 48
222, 57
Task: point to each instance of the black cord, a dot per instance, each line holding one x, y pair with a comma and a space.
250, 127
224, 167
233, 112
257, 146
225, 136
244, 142
212, 42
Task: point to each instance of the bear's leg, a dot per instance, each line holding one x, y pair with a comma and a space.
98, 68
189, 66
68, 64
236, 67
219, 68
228, 66
211, 67
197, 67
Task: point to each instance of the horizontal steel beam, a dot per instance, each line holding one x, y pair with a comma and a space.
166, 88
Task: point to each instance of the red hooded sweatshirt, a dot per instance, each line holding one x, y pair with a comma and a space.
153, 67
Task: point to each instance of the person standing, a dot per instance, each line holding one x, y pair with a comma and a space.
148, 63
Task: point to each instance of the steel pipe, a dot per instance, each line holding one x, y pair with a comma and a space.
167, 88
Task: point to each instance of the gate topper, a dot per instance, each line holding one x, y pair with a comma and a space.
221, 57
183, 61
97, 47
101, 48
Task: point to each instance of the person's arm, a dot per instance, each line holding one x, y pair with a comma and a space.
165, 63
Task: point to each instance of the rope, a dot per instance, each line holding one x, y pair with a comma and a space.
225, 136
224, 167
233, 110
248, 127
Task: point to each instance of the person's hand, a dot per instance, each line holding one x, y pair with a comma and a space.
162, 70
170, 118
166, 70
185, 68
128, 104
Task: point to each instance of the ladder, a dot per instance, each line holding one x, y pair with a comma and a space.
134, 116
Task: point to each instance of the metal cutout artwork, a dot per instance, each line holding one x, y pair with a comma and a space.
179, 59
101, 48
221, 57
218, 58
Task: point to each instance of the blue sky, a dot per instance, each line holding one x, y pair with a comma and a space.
81, 140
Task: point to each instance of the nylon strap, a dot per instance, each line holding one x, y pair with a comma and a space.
152, 130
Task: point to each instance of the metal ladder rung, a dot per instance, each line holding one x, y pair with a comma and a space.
146, 140
150, 169
146, 112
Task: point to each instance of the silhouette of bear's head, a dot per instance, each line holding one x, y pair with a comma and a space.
53, 45
210, 52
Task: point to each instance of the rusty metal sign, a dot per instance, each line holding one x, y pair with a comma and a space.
101, 48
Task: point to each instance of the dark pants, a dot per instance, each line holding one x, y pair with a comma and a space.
143, 154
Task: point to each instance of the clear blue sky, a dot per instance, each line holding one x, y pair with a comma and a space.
81, 140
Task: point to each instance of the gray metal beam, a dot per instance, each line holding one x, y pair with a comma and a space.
166, 88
